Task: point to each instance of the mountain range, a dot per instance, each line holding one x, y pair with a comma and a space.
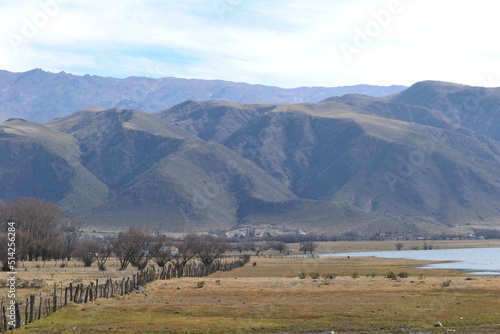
422, 161
41, 96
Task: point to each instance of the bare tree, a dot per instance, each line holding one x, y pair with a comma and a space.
187, 249
211, 248
39, 220
86, 251
245, 246
259, 247
163, 250
281, 247
132, 247
70, 232
308, 246
104, 252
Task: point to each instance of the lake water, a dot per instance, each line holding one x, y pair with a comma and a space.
480, 261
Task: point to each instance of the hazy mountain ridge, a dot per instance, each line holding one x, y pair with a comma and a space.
42, 96
346, 164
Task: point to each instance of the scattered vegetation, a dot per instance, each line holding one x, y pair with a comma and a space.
403, 274
329, 276
391, 275
314, 275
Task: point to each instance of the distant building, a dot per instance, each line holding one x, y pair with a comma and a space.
174, 251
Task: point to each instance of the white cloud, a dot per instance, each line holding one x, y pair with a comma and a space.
285, 42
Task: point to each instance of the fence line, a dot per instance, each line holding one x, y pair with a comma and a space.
81, 293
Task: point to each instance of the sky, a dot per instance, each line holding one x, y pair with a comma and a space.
285, 43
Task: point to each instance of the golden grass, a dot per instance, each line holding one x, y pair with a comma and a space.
270, 298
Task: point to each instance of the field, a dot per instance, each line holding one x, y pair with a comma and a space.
271, 298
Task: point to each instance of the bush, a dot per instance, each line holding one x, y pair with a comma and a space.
403, 274
302, 275
329, 276
391, 275
447, 283
200, 284
314, 275
355, 274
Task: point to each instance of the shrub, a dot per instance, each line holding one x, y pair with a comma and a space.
314, 275
403, 274
355, 274
200, 284
391, 275
447, 283
329, 276
302, 275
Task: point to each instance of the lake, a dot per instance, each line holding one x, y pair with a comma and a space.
479, 261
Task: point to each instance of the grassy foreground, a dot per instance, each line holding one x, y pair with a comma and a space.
270, 298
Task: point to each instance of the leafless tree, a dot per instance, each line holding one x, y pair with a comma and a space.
281, 247
211, 248
86, 251
70, 232
259, 247
187, 249
132, 247
242, 246
163, 250
308, 246
40, 223
104, 252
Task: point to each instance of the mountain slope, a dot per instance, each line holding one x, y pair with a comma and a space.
159, 175
198, 188
376, 164
475, 108
44, 163
42, 96
214, 120
407, 163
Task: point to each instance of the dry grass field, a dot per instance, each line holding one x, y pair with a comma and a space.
271, 298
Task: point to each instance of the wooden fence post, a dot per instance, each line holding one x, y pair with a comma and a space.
26, 310
32, 309
86, 294
3, 318
54, 306
18, 315
40, 307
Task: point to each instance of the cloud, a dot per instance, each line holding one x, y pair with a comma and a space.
287, 43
